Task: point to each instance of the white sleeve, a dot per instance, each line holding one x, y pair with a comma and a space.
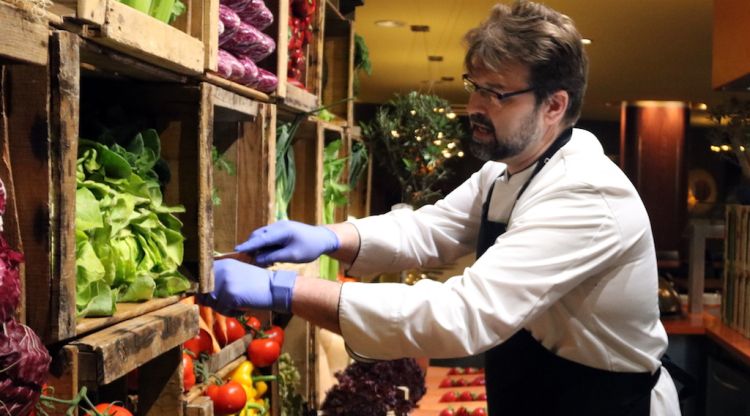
555, 241
434, 234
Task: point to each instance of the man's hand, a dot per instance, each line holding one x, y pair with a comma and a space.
241, 286
289, 241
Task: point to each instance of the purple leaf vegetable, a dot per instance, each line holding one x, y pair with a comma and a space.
231, 22
267, 81
235, 4
251, 42
256, 14
229, 66
250, 78
25, 365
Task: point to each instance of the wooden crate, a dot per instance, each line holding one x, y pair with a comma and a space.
243, 134
308, 99
43, 154
336, 79
102, 361
178, 47
21, 38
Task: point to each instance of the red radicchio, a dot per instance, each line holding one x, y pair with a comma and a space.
24, 365
10, 281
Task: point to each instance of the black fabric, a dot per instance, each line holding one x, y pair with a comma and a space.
525, 378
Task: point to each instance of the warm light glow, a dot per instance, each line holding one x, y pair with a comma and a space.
460, 154
440, 135
437, 142
725, 147
389, 23
451, 145
655, 103
715, 149
419, 138
394, 133
413, 112
447, 155
742, 148
451, 115
586, 41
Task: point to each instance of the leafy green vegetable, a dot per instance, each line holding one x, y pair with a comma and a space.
286, 172
220, 163
334, 194
128, 244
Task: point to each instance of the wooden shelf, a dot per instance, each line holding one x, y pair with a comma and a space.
21, 39
130, 31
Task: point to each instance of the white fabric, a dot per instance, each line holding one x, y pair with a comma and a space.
576, 267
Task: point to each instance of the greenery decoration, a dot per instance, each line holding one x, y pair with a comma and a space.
732, 132
412, 136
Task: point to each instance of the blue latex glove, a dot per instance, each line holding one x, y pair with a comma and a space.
289, 241
239, 286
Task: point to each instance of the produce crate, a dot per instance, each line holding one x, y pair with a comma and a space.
103, 362
336, 72
332, 132
306, 99
43, 159
22, 39
243, 137
306, 204
178, 47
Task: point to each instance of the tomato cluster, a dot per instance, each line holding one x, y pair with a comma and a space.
449, 382
463, 411
464, 396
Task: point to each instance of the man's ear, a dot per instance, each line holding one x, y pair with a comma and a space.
556, 105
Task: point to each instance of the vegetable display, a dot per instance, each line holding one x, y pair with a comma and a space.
128, 243
300, 34
165, 10
291, 401
370, 389
243, 43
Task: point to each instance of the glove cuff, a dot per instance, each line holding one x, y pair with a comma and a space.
335, 244
282, 285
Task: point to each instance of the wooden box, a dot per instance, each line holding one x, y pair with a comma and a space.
360, 196
178, 47
81, 79
104, 362
336, 79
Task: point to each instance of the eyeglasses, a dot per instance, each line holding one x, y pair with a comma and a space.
471, 87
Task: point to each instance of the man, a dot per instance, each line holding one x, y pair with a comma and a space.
562, 298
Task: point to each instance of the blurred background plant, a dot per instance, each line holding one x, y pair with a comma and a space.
412, 137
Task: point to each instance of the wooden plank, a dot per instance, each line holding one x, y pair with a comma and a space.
27, 100
299, 99
10, 224
63, 375
315, 54
140, 35
307, 201
21, 39
104, 62
237, 88
256, 157
210, 32
228, 354
280, 28
125, 311
91, 11
160, 385
227, 137
201, 406
117, 350
65, 96
240, 108
205, 189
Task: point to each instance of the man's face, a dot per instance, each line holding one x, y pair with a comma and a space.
503, 128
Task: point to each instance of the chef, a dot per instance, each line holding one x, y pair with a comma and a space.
562, 298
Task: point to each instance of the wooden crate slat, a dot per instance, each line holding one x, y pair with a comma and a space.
228, 354
201, 406
236, 88
256, 152
160, 385
125, 311
21, 39
307, 200
121, 348
242, 108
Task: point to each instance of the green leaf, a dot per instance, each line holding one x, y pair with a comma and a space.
88, 215
96, 299
141, 289
171, 283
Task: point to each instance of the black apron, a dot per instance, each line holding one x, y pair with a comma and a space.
525, 378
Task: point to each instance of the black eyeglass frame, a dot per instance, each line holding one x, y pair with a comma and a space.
471, 87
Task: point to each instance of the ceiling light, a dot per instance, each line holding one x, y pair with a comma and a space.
420, 28
390, 23
586, 41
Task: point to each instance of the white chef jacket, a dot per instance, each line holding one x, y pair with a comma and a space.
576, 268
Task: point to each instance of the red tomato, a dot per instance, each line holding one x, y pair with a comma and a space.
481, 396
471, 370
275, 333
448, 397
446, 383
199, 343
263, 352
253, 322
479, 411
235, 331
478, 381
447, 412
228, 398
456, 371
109, 409
466, 397
459, 382
462, 411
188, 372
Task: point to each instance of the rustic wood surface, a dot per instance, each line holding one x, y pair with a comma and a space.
236, 88
117, 350
307, 201
124, 312
299, 99
21, 39
160, 385
201, 406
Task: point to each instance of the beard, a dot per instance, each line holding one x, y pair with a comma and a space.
503, 148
